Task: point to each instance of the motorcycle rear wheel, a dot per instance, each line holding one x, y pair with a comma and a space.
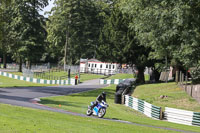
89, 112
101, 112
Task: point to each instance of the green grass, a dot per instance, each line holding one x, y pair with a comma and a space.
121, 76
78, 103
19, 119
9, 82
176, 97
83, 76
16, 73
126, 76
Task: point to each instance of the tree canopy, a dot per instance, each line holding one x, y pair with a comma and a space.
169, 27
139, 33
76, 24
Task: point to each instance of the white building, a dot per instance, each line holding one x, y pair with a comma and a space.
97, 67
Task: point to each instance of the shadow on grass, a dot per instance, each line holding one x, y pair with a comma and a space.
109, 93
63, 103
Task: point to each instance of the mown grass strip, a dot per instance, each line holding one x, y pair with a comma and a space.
23, 120
79, 102
9, 82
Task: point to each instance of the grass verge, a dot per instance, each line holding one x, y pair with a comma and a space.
23, 120
83, 76
176, 97
78, 103
126, 76
9, 82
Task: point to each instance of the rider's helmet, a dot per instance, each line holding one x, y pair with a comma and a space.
104, 94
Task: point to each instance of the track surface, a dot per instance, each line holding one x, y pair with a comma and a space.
22, 96
27, 97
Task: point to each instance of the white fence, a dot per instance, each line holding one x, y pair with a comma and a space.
143, 107
182, 116
111, 81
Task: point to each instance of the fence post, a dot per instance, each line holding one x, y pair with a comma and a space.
183, 78
161, 114
123, 99
180, 77
186, 79
176, 77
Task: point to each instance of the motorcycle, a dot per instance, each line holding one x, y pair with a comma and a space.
99, 110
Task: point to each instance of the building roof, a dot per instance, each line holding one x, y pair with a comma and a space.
90, 60
93, 60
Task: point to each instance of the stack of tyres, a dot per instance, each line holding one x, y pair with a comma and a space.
121, 87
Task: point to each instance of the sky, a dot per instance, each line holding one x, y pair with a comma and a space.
48, 8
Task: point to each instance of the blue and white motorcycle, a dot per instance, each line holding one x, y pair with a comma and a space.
99, 110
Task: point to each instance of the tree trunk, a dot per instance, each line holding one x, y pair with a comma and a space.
4, 60
28, 65
157, 75
140, 75
65, 55
20, 65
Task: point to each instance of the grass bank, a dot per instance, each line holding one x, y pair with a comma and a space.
78, 103
126, 76
9, 82
175, 96
23, 120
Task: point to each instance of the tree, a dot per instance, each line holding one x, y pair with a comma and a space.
119, 44
26, 30
170, 28
4, 21
73, 29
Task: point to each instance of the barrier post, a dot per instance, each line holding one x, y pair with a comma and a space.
161, 114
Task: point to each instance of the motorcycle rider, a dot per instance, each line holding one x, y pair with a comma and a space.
99, 99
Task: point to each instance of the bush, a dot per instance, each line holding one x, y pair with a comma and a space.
195, 74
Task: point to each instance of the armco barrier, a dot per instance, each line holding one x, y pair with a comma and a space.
41, 81
143, 107
182, 116
111, 81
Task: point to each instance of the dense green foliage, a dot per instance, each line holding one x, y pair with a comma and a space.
23, 30
119, 42
73, 28
170, 28
4, 21
134, 32
195, 74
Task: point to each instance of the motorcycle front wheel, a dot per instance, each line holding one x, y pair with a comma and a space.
101, 112
89, 112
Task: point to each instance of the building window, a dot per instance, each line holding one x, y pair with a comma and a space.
113, 66
95, 65
106, 66
92, 65
109, 66
101, 66
89, 65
